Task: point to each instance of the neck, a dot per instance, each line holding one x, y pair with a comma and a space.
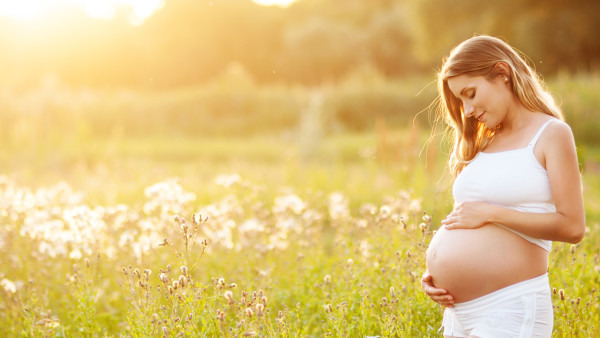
517, 117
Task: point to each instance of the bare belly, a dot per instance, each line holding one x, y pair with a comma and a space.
474, 262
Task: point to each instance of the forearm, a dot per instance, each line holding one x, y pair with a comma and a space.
555, 226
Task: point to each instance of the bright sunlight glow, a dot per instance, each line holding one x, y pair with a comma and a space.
282, 3
30, 10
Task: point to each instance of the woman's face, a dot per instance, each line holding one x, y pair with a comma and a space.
488, 101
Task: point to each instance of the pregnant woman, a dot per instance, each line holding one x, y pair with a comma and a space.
517, 188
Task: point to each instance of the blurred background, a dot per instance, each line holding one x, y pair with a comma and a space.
113, 94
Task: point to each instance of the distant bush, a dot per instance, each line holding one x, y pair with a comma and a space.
233, 105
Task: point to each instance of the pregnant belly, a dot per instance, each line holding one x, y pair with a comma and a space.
470, 263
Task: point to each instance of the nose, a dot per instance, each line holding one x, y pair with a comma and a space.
468, 110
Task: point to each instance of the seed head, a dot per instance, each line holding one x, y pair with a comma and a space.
328, 308
327, 279
163, 278
249, 312
259, 309
561, 292
228, 295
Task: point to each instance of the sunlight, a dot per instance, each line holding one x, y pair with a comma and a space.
30, 10
282, 3
23, 10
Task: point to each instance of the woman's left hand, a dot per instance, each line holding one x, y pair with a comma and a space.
468, 215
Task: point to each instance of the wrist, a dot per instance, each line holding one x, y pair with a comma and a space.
494, 213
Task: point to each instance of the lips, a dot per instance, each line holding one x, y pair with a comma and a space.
479, 117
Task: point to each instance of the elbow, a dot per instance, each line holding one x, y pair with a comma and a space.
577, 233
576, 238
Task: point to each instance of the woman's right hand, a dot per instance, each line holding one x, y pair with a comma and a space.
440, 296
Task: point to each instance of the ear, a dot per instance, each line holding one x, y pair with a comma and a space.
502, 69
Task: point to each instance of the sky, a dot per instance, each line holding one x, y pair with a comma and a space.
140, 10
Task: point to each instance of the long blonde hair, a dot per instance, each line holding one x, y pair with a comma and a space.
478, 56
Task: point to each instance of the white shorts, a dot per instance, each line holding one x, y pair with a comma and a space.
519, 310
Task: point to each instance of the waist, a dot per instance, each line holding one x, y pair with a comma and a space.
533, 285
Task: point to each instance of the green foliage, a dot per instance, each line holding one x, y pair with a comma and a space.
188, 43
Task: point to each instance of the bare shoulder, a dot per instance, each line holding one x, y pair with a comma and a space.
557, 132
557, 141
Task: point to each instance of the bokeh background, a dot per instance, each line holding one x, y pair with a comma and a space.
91, 89
304, 130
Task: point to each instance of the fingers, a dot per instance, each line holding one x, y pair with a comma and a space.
446, 301
438, 295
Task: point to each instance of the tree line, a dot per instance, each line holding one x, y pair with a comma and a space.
189, 42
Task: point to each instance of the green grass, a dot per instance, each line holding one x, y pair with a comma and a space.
327, 236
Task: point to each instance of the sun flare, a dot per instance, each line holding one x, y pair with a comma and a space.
282, 3
32, 10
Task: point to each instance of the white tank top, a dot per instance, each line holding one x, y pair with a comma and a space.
513, 179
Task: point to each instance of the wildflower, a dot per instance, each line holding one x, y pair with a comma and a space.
249, 334
263, 300
597, 268
249, 312
385, 211
573, 247
233, 285
327, 279
184, 270
259, 309
349, 262
328, 308
426, 218
8, 286
392, 292
175, 284
182, 280
163, 278
165, 330
229, 296
561, 292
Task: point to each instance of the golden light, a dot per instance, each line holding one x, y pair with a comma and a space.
33, 10
282, 3
23, 10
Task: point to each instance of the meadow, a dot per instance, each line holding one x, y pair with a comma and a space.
315, 230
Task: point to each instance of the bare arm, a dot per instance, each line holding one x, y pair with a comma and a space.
567, 224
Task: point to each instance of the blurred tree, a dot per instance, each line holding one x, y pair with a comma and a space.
192, 41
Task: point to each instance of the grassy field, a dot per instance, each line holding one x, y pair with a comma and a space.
281, 212
256, 236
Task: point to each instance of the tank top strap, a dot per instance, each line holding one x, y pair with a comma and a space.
539, 133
